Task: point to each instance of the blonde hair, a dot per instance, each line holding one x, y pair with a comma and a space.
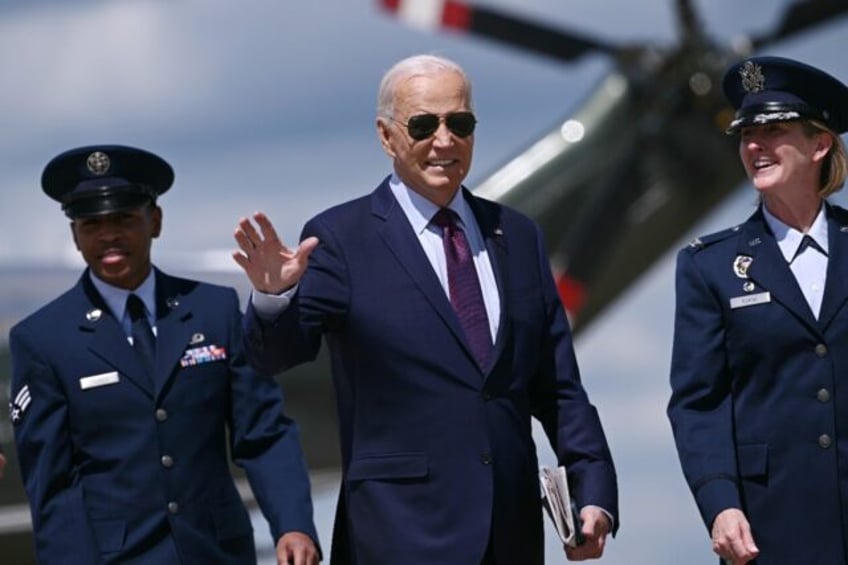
835, 165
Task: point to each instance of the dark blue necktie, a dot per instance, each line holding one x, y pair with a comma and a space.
808, 241
464, 286
144, 342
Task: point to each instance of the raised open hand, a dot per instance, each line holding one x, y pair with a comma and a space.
271, 266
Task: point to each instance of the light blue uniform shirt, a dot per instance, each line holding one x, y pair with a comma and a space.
116, 300
810, 265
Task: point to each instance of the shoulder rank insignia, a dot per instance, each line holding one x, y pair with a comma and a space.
707, 240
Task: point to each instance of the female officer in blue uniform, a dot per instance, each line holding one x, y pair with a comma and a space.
123, 450
759, 403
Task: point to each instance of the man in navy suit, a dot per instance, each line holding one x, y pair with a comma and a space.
437, 371
759, 404
124, 453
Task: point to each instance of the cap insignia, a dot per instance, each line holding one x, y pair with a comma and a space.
98, 163
752, 77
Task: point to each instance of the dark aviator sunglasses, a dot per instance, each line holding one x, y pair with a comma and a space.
422, 126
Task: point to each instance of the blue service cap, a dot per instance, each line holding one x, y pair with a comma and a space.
775, 89
104, 179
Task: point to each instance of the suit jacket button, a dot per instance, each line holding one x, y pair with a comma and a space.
167, 461
824, 441
173, 507
161, 415
823, 395
821, 350
486, 459
487, 396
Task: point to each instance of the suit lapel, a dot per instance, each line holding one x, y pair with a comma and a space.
836, 286
769, 269
107, 339
404, 245
173, 312
109, 343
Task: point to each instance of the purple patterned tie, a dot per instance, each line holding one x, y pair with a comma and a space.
464, 286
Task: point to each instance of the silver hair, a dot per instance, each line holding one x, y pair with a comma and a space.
414, 66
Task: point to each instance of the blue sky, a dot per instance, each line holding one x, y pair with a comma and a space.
269, 105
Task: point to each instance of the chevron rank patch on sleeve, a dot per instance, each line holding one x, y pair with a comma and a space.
19, 405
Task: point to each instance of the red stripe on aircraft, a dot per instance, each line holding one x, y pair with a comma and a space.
571, 292
391, 5
456, 15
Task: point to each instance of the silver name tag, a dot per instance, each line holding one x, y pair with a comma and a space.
102, 379
750, 300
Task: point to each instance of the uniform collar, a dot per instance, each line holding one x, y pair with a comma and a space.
788, 238
116, 298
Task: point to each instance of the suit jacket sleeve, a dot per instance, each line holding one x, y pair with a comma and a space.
700, 405
266, 443
295, 336
45, 453
561, 404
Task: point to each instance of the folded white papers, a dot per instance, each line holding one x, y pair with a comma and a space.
557, 502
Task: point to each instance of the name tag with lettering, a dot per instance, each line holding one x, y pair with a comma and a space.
102, 379
750, 300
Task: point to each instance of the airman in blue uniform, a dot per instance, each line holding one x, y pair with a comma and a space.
759, 403
124, 453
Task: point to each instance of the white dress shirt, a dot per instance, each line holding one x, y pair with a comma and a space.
419, 211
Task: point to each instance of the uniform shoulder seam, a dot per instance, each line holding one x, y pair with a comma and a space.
705, 241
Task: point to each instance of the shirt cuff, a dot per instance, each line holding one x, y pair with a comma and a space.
611, 519
269, 306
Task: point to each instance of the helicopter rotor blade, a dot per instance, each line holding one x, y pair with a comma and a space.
801, 16
494, 25
687, 19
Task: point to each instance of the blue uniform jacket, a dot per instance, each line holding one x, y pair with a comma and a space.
120, 467
437, 454
758, 406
